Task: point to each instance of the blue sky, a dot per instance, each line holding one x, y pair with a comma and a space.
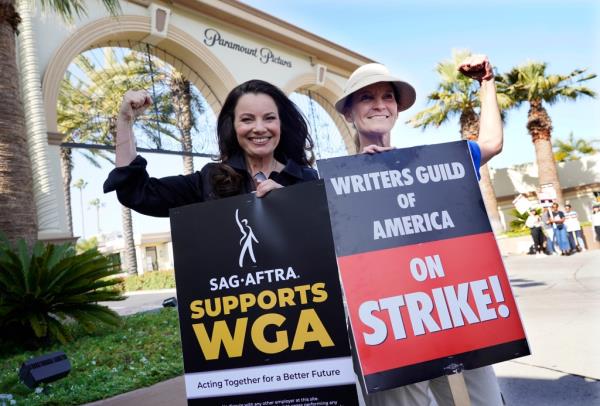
411, 37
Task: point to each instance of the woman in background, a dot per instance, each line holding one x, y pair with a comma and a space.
534, 223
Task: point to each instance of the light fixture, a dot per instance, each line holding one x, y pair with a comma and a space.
45, 368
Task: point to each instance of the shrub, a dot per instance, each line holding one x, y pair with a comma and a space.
45, 286
517, 224
150, 280
84, 245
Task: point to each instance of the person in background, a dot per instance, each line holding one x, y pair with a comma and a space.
558, 220
534, 223
574, 233
548, 230
596, 220
372, 99
263, 144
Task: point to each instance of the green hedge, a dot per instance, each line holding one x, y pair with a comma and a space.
150, 281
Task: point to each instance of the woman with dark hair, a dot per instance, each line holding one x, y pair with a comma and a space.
372, 100
534, 223
263, 141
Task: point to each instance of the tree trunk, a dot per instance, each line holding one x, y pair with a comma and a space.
469, 125
469, 130
182, 99
188, 160
489, 199
547, 171
130, 258
539, 126
18, 218
66, 167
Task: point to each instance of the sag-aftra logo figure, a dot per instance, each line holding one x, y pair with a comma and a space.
246, 240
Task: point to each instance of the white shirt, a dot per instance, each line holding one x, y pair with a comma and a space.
571, 221
596, 218
533, 221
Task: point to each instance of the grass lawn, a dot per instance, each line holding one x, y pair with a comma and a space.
145, 350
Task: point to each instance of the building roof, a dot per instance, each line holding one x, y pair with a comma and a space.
523, 178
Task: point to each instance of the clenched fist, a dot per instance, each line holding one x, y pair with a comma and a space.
477, 67
134, 103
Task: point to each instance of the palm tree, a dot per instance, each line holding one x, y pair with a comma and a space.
74, 110
530, 83
88, 108
182, 100
87, 114
16, 178
80, 184
459, 95
97, 204
188, 106
572, 148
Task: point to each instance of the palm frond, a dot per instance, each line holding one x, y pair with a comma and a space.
45, 285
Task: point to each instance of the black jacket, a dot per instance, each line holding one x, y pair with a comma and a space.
154, 197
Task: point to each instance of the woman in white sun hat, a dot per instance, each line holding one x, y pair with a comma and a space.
372, 99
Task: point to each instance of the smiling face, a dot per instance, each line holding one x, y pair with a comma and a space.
257, 125
373, 110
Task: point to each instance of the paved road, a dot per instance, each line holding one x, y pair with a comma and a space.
141, 301
559, 302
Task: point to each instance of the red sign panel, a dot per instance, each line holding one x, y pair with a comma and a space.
428, 300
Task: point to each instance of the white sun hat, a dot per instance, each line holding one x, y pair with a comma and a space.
373, 73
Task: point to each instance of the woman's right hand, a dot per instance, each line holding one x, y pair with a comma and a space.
134, 103
374, 148
264, 187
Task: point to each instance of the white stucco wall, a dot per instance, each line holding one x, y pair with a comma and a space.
523, 178
578, 174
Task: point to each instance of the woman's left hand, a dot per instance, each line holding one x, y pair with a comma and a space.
477, 67
266, 186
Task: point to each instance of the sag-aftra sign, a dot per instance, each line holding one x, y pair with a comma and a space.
260, 303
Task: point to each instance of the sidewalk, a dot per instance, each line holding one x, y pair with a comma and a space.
559, 303
171, 392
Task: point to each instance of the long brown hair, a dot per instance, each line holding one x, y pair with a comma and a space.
295, 142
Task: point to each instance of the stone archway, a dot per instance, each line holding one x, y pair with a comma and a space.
46, 50
326, 96
210, 77
104, 31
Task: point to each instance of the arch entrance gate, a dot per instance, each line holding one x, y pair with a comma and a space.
224, 42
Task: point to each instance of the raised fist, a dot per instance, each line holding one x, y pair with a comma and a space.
134, 103
477, 67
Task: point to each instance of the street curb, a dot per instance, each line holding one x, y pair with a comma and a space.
148, 292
